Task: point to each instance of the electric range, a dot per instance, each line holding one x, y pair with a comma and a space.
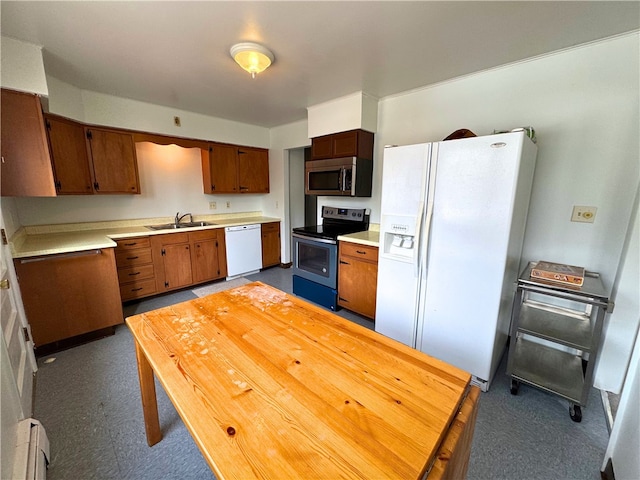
315, 253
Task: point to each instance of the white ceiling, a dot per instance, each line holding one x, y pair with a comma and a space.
177, 53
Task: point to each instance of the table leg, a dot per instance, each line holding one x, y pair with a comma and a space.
149, 400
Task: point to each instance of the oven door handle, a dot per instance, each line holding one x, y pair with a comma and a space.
314, 239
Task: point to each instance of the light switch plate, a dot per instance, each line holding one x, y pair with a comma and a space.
583, 214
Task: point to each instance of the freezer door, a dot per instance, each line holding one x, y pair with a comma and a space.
404, 176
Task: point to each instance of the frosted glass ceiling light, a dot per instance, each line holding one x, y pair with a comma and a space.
252, 57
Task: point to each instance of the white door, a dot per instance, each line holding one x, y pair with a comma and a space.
16, 332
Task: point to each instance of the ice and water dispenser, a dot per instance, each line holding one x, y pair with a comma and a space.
398, 235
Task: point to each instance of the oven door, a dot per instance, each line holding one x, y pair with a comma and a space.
316, 259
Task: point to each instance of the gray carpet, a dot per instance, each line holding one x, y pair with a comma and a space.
89, 402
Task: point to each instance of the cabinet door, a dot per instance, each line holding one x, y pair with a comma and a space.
69, 294
345, 144
26, 165
322, 147
357, 283
177, 266
220, 169
270, 244
68, 146
204, 260
115, 166
253, 170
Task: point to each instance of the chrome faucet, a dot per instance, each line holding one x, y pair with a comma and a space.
180, 217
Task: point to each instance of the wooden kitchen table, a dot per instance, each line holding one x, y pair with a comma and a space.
271, 386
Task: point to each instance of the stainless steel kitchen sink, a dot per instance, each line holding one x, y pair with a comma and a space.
173, 226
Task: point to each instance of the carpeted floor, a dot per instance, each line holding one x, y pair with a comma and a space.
89, 402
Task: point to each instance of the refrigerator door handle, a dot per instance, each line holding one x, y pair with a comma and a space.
431, 196
417, 258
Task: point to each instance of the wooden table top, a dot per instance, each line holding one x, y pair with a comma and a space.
271, 386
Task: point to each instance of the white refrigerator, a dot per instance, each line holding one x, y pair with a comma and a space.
453, 216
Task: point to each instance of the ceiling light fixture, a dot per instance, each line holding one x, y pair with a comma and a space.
252, 57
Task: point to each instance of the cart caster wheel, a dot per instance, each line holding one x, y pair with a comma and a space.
515, 385
575, 412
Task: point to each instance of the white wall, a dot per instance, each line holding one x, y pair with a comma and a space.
355, 111
283, 139
625, 319
66, 100
22, 66
120, 112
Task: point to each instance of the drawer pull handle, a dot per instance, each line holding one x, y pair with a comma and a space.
134, 274
361, 252
344, 263
131, 244
132, 258
136, 289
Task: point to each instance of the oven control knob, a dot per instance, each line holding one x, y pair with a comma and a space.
324, 270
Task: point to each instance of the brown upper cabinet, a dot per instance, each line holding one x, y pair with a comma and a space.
91, 160
354, 143
233, 169
26, 166
69, 155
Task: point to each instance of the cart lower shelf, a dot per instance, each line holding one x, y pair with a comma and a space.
549, 369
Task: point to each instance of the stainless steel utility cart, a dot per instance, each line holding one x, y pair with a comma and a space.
555, 334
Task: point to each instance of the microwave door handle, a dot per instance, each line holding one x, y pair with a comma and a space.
342, 179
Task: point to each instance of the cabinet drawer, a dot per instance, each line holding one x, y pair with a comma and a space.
131, 243
203, 235
137, 289
138, 272
363, 252
271, 227
173, 238
133, 257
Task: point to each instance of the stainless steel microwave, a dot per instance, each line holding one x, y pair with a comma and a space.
349, 176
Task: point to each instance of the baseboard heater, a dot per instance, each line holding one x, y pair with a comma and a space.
32, 451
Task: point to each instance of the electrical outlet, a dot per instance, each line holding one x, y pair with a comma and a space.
583, 214
212, 205
276, 203
176, 121
228, 204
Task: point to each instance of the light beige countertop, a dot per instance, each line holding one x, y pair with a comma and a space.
368, 237
38, 240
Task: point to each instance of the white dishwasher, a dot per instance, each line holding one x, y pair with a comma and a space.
244, 250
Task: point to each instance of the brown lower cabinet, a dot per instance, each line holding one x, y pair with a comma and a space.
184, 259
358, 278
69, 294
136, 273
270, 244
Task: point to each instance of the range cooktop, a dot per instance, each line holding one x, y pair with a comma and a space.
337, 221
